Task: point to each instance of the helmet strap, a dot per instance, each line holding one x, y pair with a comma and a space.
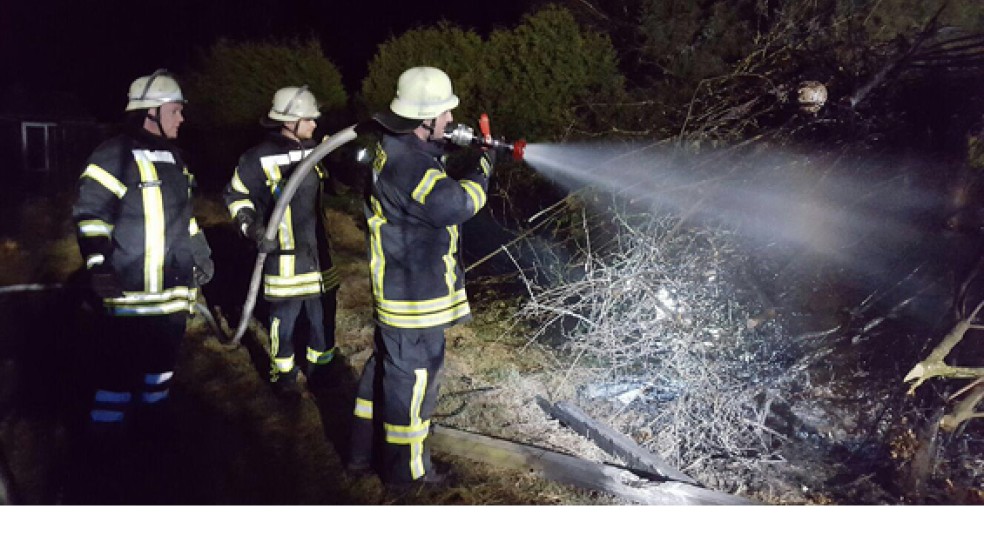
156, 118
293, 129
429, 127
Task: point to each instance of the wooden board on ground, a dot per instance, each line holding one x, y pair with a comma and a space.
574, 471
614, 442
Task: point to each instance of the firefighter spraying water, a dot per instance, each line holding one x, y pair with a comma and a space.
457, 134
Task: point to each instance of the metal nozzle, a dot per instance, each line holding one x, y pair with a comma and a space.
463, 135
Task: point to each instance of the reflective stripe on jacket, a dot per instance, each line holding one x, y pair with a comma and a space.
301, 266
413, 213
134, 213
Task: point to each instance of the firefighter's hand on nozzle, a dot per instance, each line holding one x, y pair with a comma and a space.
104, 282
489, 155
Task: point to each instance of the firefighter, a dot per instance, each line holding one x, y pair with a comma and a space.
145, 257
414, 210
298, 275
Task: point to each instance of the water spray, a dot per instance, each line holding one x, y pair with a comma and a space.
463, 135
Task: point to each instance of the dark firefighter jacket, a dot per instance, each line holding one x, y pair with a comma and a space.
413, 211
301, 266
134, 213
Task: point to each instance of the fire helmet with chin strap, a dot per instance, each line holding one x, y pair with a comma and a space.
294, 104
153, 91
421, 93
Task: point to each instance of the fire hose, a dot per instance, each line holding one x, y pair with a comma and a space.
460, 135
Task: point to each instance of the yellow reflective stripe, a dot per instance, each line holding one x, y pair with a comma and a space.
377, 259
363, 408
416, 401
272, 171
322, 172
153, 204
330, 279
422, 306
94, 259
95, 228
193, 228
130, 298
475, 191
237, 183
282, 365
284, 280
426, 184
240, 204
420, 321
406, 434
152, 303
449, 259
289, 291
274, 337
292, 285
485, 165
105, 179
148, 172
286, 240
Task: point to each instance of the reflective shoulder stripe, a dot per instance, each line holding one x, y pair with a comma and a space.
271, 166
193, 228
105, 179
148, 173
157, 156
476, 193
426, 185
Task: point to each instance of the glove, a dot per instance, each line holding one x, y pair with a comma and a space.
104, 282
489, 157
255, 231
202, 275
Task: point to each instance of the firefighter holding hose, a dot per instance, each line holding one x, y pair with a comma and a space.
413, 210
298, 275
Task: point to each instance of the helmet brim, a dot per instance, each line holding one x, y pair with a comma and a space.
396, 123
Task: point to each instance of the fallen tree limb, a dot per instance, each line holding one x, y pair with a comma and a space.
613, 442
575, 471
934, 366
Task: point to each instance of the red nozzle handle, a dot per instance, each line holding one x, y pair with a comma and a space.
485, 127
519, 149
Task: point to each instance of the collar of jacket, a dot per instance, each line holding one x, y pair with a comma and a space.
280, 140
151, 140
410, 140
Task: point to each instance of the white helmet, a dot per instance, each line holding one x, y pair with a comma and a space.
152, 91
423, 93
294, 104
811, 95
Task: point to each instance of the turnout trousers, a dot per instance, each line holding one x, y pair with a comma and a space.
133, 368
124, 451
320, 313
396, 397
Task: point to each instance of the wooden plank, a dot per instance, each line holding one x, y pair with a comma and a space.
574, 471
615, 443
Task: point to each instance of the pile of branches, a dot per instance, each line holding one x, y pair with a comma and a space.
659, 338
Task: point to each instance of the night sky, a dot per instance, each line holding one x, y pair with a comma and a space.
95, 48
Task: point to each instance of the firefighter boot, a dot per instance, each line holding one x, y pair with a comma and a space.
286, 385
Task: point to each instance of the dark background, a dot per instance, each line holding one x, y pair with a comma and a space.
92, 50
